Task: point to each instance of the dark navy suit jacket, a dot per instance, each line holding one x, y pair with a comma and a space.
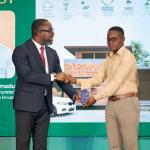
32, 79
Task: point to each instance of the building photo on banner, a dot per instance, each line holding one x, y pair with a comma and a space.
80, 39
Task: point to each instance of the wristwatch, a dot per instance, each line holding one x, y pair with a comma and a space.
55, 78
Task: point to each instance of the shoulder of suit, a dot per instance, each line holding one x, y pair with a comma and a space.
23, 46
50, 49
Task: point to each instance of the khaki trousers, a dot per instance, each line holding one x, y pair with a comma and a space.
122, 119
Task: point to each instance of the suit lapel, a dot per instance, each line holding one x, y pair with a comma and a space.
50, 58
34, 51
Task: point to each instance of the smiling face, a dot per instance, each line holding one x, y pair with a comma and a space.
115, 40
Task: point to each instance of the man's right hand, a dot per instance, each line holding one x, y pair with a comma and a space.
65, 77
59, 76
69, 78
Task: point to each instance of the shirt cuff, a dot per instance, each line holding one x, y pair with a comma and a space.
96, 97
52, 77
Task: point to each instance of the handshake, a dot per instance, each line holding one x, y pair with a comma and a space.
65, 77
84, 98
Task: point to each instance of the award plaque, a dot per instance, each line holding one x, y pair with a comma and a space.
85, 94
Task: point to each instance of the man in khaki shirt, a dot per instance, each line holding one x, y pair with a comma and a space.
118, 75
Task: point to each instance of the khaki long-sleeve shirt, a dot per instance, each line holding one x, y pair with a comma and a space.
118, 73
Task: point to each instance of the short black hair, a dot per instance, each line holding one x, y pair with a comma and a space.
118, 29
37, 23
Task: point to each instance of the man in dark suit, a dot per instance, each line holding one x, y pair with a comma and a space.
37, 66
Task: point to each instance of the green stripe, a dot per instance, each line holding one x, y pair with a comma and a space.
89, 129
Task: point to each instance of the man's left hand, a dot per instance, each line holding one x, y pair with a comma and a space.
77, 97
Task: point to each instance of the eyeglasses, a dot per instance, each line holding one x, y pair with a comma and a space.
113, 40
49, 31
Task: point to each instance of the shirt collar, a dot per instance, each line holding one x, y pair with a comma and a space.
37, 44
119, 52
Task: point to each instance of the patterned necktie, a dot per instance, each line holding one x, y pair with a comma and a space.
42, 54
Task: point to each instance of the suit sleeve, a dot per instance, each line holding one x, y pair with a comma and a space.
23, 69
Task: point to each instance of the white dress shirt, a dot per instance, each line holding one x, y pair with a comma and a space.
45, 56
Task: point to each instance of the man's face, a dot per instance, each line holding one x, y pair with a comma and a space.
115, 40
46, 34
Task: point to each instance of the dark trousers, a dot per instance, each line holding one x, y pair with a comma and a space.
33, 124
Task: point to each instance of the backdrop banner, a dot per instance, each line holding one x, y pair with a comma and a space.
80, 40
